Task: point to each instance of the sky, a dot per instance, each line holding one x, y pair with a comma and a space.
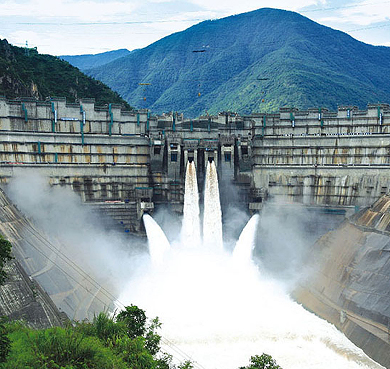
77, 27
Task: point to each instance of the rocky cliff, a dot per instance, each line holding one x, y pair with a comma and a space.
349, 282
21, 298
42, 278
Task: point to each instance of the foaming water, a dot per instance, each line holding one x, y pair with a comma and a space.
190, 234
212, 215
246, 243
157, 241
221, 312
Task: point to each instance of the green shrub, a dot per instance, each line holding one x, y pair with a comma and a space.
128, 342
263, 361
59, 348
5, 342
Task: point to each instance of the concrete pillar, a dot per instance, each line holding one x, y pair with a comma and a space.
308, 193
211, 154
227, 161
190, 154
174, 156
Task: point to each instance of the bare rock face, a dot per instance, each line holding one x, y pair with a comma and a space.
9, 80
23, 299
41, 280
350, 280
34, 92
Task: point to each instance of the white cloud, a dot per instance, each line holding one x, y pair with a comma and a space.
90, 26
19, 38
180, 22
361, 13
229, 7
86, 10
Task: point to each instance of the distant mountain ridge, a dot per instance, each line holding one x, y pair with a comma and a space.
26, 73
88, 61
251, 62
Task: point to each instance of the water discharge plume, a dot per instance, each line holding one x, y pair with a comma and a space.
157, 241
190, 233
221, 312
212, 215
246, 243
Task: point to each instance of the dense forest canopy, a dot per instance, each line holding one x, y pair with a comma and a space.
252, 62
26, 73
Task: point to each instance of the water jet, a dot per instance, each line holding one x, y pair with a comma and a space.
220, 308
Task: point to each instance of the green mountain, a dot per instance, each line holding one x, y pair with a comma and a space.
26, 73
89, 61
251, 62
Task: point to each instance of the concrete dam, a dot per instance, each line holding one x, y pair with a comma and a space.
135, 160
123, 163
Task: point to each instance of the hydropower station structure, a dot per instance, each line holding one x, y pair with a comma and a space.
313, 157
124, 163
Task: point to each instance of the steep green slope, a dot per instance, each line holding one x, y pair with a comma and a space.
256, 61
88, 61
25, 73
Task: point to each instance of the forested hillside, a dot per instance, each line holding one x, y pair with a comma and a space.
251, 62
88, 61
26, 73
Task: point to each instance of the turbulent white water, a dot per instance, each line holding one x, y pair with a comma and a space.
212, 222
157, 241
246, 243
190, 234
221, 312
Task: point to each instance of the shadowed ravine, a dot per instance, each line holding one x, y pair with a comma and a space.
219, 307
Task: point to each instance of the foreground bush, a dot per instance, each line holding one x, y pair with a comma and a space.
263, 361
57, 348
122, 342
127, 341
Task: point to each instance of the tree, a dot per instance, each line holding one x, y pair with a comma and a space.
136, 324
263, 361
5, 255
135, 320
5, 343
186, 365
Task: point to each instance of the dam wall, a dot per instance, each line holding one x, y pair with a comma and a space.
100, 153
322, 157
137, 160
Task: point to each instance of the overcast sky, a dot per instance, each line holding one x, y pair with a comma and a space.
73, 27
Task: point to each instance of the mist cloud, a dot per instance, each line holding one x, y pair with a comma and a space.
107, 256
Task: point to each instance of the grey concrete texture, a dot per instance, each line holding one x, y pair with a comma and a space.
349, 283
73, 291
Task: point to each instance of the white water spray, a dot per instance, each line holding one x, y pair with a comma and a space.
212, 216
157, 241
190, 233
221, 312
246, 243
